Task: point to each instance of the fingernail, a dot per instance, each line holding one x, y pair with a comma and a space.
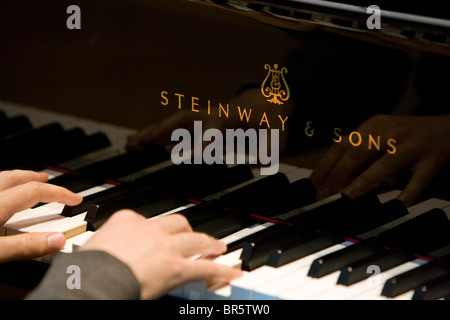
56, 241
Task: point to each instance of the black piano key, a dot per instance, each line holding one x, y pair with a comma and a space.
160, 206
198, 214
409, 231
297, 250
160, 187
92, 143
196, 181
389, 211
403, 234
76, 183
337, 260
25, 150
203, 212
281, 199
61, 147
299, 194
3, 118
127, 163
31, 138
111, 193
318, 218
156, 179
223, 180
385, 260
79, 147
340, 213
74, 144
416, 277
256, 253
231, 221
100, 211
14, 125
422, 244
97, 215
255, 191
206, 180
365, 221
192, 181
273, 229
434, 289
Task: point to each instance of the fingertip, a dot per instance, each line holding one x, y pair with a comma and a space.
351, 191
236, 273
56, 241
74, 200
221, 246
42, 176
407, 199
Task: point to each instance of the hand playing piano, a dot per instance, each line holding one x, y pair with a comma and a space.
20, 190
422, 145
158, 251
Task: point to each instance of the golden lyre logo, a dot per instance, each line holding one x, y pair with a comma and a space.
274, 86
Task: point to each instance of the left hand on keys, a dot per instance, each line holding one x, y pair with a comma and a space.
20, 190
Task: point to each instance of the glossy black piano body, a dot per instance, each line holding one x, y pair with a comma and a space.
134, 63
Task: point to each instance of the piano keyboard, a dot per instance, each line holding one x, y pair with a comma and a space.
289, 246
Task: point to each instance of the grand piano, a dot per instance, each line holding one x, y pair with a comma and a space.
76, 83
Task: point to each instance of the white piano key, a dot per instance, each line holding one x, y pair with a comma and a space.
326, 287
72, 245
238, 235
311, 287
176, 210
242, 288
34, 221
292, 274
96, 189
30, 212
148, 170
388, 196
197, 290
372, 292
52, 173
220, 292
80, 240
69, 226
405, 296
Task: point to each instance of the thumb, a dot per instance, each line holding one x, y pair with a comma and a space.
30, 245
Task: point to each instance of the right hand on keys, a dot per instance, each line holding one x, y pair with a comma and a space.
158, 251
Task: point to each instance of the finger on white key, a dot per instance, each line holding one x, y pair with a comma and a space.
27, 195
197, 290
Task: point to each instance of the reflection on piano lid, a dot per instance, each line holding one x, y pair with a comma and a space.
400, 20
289, 247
